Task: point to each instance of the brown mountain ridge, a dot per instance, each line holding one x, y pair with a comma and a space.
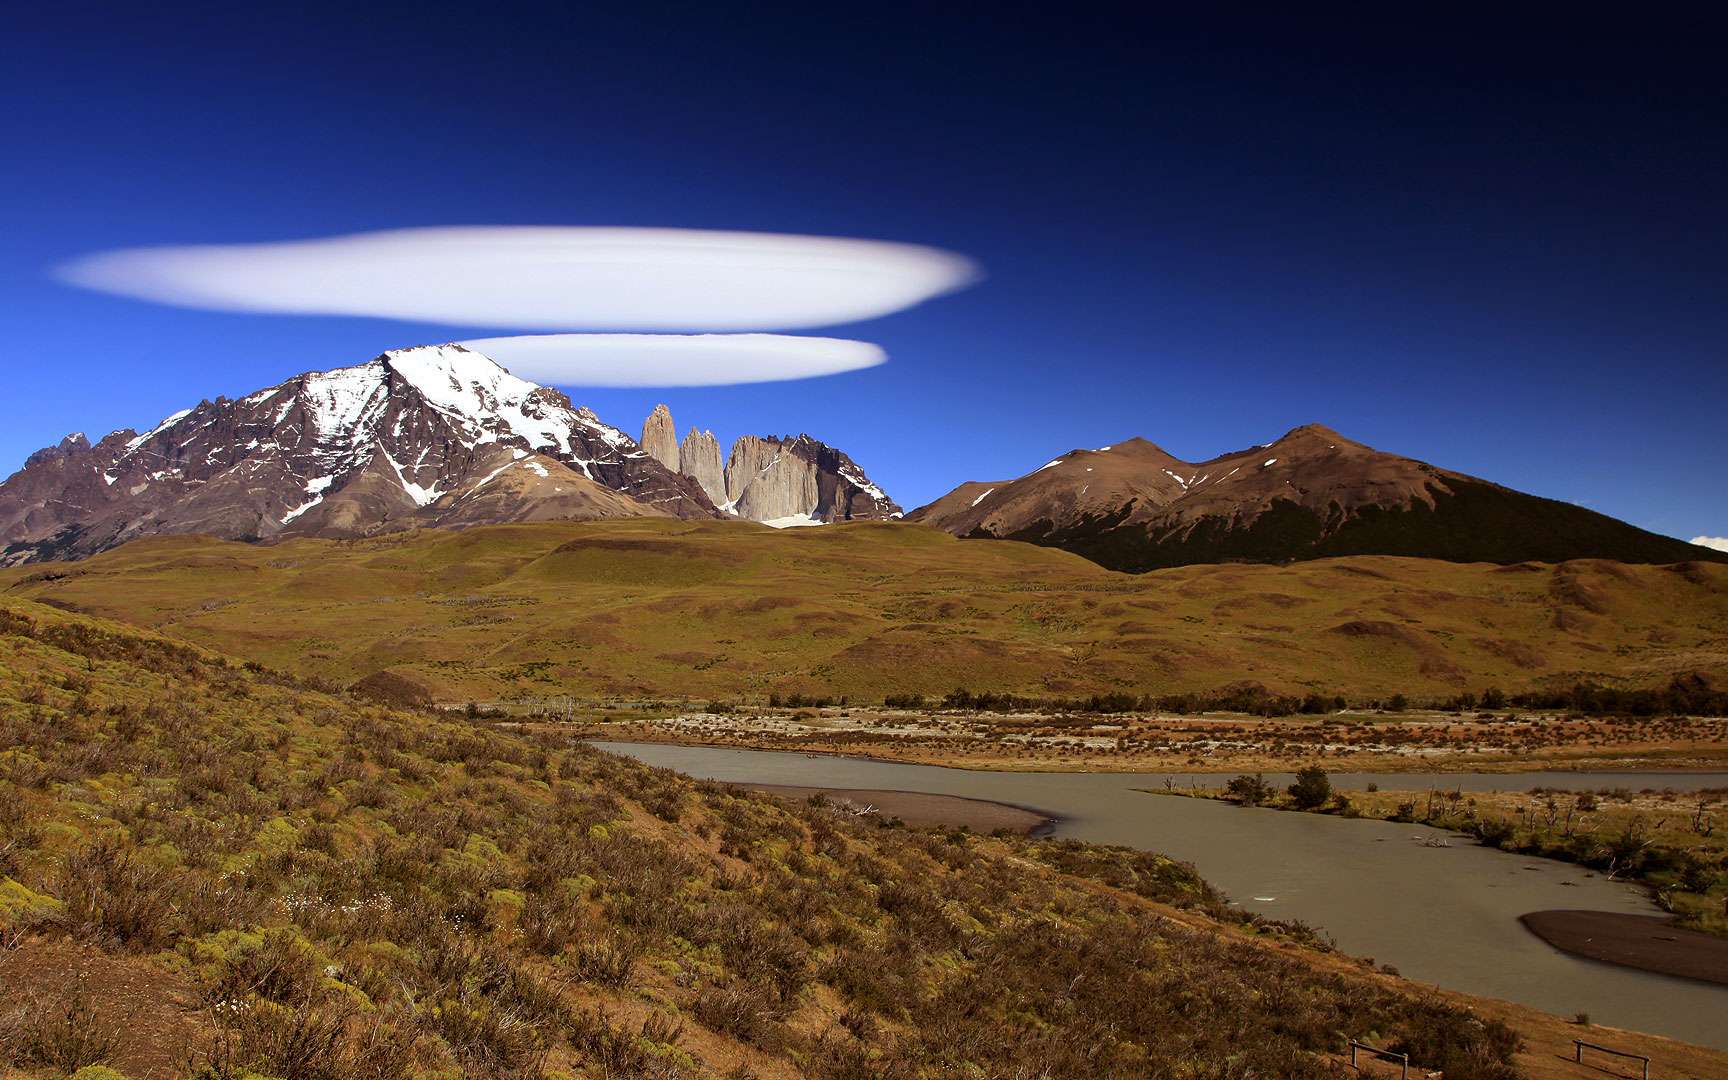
1311, 494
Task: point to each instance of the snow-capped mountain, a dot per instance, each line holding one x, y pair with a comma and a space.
426, 436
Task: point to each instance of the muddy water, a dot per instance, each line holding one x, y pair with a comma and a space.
1441, 915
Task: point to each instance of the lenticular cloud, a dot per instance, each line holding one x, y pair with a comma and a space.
544, 278
674, 359
1720, 543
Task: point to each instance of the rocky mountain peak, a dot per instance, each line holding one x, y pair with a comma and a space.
432, 435
1309, 494
699, 457
1317, 430
778, 480
660, 437
1316, 438
409, 438
72, 444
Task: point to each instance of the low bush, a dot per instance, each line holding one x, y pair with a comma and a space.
1494, 832
1249, 790
1311, 789
59, 1031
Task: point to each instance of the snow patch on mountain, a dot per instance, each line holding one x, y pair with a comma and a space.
427, 421
422, 496
862, 483
337, 402
167, 423
314, 488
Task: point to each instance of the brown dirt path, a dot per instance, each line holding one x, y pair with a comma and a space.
145, 1009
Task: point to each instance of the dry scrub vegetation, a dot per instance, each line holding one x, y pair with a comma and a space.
314, 888
1356, 739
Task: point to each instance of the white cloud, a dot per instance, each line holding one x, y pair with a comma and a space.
674, 359
544, 277
1720, 543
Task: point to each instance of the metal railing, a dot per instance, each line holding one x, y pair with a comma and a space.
1403, 1060
1578, 1046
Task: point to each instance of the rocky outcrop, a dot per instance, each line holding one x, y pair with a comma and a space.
699, 459
660, 437
435, 435
751, 456
787, 479
782, 481
763, 483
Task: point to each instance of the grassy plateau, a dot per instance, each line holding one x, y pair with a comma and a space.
689, 611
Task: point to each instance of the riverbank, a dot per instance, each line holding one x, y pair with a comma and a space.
920, 809
1673, 843
1413, 741
1648, 942
1447, 916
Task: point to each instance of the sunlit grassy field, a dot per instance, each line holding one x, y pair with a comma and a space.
690, 611
209, 869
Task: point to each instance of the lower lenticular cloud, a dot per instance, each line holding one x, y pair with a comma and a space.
544, 278
674, 359
1720, 543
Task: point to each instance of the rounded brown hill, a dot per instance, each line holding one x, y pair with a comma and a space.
1311, 494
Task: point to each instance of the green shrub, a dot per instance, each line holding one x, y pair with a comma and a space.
1494, 832
1311, 789
1249, 790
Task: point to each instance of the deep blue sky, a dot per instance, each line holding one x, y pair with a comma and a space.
1495, 246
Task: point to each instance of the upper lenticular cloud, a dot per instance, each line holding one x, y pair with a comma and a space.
674, 359
544, 278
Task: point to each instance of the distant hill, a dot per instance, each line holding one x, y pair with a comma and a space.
691, 610
1311, 494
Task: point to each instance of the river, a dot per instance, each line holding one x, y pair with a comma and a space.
1447, 916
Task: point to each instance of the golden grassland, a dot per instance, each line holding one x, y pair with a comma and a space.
688, 611
208, 868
